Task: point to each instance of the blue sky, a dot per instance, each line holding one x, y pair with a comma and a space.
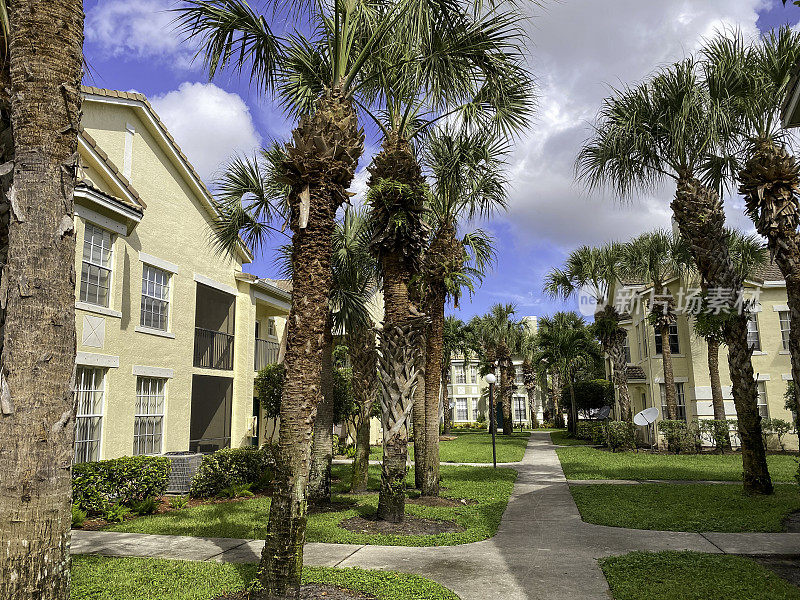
578, 49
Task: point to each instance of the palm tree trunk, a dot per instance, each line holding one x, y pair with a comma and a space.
558, 413
448, 415
573, 409
319, 483
701, 219
620, 376
433, 375
669, 377
717, 400
505, 395
363, 357
418, 420
320, 165
530, 387
38, 296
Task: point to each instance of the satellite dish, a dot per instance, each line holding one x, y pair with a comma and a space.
645, 417
603, 413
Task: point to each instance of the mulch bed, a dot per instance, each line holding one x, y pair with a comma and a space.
441, 501
328, 507
410, 526
787, 567
313, 591
791, 524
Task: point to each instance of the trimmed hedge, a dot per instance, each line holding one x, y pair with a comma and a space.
621, 435
127, 480
231, 467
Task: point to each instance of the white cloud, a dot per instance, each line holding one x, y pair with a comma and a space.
580, 48
140, 30
209, 124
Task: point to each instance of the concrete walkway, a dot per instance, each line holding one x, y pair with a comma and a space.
542, 548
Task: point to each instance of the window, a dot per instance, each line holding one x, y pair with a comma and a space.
474, 408
96, 269
673, 340
753, 338
271, 327
461, 409
763, 408
518, 377
639, 341
784, 319
627, 349
680, 400
149, 421
519, 408
155, 298
89, 391
473, 374
461, 376
258, 330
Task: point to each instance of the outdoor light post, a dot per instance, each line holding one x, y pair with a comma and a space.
490, 379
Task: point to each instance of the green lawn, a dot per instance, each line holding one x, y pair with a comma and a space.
474, 447
685, 507
692, 576
580, 462
248, 518
103, 578
560, 437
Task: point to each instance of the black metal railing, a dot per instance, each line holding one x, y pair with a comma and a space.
213, 349
266, 353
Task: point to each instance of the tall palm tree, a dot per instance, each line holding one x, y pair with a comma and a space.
319, 78
670, 128
528, 348
466, 182
455, 342
654, 258
594, 270
41, 45
751, 80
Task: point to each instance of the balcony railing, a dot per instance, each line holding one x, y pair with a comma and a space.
266, 353
213, 349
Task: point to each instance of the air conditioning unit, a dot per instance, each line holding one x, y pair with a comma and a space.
184, 467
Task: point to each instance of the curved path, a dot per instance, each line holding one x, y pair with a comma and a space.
542, 548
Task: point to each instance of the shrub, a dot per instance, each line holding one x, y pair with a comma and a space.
232, 466
715, 432
681, 437
591, 431
116, 513
146, 507
269, 387
780, 428
78, 516
237, 490
178, 502
126, 481
621, 435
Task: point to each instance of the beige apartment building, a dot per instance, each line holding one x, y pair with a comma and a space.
170, 332
769, 338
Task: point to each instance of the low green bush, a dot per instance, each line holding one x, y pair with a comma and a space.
124, 481
621, 435
178, 502
233, 466
592, 431
237, 490
78, 516
715, 432
681, 437
116, 513
146, 507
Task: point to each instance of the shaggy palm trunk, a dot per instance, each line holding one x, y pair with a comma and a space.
448, 414
669, 377
320, 165
37, 295
530, 387
717, 400
555, 395
505, 395
613, 341
364, 359
418, 420
770, 183
573, 409
319, 483
701, 219
433, 375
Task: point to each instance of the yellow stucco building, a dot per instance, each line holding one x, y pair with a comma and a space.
170, 332
768, 336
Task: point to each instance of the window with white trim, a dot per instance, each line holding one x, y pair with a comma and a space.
627, 349
519, 409
89, 393
680, 401
785, 328
473, 374
148, 425
753, 336
763, 407
475, 408
461, 376
155, 298
462, 413
271, 327
673, 340
518, 378
96, 266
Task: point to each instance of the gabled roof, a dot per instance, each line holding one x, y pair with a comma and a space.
635, 373
173, 151
116, 174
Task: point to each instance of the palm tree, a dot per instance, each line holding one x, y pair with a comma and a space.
669, 127
466, 182
455, 342
654, 258
595, 270
319, 78
751, 80
40, 70
528, 348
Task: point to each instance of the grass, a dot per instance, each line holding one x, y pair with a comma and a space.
103, 578
685, 507
248, 518
592, 463
474, 447
692, 576
560, 437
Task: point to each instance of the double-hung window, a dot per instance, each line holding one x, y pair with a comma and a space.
784, 321
753, 337
519, 409
518, 377
148, 425
680, 401
763, 407
462, 413
673, 340
89, 392
461, 375
473, 374
96, 266
271, 327
155, 298
627, 349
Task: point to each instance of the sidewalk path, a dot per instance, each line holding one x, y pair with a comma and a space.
542, 549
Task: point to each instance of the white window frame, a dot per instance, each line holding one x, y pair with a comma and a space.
627, 348
271, 329
518, 376
145, 443
785, 326
753, 333
473, 374
153, 298
519, 403
763, 401
458, 409
88, 262
460, 375
89, 380
680, 400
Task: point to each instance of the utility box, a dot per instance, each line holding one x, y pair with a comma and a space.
184, 467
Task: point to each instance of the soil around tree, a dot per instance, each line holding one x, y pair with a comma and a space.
410, 526
787, 567
441, 501
312, 591
791, 524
